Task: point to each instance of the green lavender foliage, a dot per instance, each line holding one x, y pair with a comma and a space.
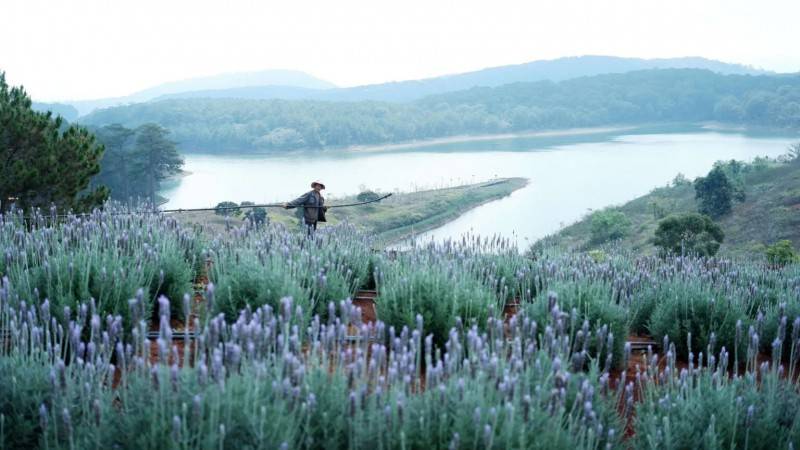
712, 405
282, 359
441, 284
591, 303
105, 256
258, 266
264, 382
696, 314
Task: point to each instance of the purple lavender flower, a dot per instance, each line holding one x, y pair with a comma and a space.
43, 416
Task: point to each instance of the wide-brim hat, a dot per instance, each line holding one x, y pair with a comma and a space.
313, 183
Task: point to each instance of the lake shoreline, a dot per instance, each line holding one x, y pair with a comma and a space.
461, 139
398, 235
647, 128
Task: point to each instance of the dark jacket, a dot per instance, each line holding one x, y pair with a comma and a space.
312, 203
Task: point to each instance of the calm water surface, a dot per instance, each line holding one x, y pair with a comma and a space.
569, 175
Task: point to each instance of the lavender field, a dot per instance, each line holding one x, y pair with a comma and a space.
126, 330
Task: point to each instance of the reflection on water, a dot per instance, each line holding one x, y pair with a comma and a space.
569, 175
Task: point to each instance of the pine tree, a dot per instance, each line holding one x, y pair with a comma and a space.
156, 156
118, 168
41, 165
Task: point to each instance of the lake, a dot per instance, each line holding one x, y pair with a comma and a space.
570, 173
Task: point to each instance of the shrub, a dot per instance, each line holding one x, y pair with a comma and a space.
261, 268
24, 389
680, 180
226, 209
689, 234
781, 253
253, 284
781, 322
268, 381
257, 215
598, 256
609, 225
367, 196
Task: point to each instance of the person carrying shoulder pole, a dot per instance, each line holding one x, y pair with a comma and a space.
313, 206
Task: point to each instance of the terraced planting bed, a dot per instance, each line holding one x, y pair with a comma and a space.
131, 331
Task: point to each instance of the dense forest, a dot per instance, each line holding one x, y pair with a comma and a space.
234, 125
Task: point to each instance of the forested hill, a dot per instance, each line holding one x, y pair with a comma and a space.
667, 95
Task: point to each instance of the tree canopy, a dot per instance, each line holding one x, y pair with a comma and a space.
42, 161
609, 225
714, 193
650, 96
136, 161
691, 233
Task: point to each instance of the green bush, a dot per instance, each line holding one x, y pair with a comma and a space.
688, 234
225, 209
781, 253
598, 256
367, 196
103, 257
609, 225
715, 192
257, 215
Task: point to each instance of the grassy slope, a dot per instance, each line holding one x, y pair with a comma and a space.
396, 217
770, 212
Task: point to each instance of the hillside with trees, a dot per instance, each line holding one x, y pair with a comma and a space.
223, 125
755, 206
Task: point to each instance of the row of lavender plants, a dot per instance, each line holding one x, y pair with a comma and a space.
105, 256
270, 379
680, 296
674, 296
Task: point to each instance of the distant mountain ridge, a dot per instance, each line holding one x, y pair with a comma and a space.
295, 85
288, 78
68, 112
404, 91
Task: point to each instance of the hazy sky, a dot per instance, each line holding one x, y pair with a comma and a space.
78, 49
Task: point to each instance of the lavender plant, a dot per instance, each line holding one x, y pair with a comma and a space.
711, 404
259, 266
106, 256
432, 284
